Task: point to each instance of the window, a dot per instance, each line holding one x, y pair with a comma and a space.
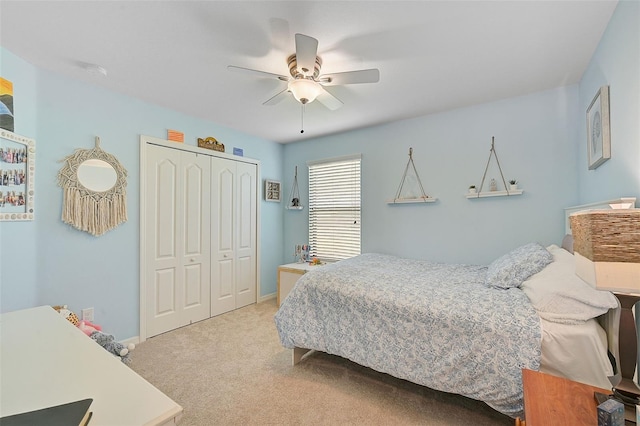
334, 208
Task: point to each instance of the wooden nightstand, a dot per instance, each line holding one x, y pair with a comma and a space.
288, 275
556, 401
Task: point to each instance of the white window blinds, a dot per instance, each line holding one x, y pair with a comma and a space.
334, 208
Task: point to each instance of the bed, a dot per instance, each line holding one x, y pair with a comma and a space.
464, 329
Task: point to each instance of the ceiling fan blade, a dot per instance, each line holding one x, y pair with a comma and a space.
277, 98
328, 100
350, 77
306, 52
256, 72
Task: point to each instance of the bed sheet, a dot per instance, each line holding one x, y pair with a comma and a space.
577, 352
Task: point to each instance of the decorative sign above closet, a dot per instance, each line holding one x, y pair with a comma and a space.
94, 184
211, 143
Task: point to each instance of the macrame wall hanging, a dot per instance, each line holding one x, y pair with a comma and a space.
94, 190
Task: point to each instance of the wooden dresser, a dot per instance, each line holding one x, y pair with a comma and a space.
556, 401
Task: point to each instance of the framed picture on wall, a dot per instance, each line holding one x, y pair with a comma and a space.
6, 105
598, 131
17, 170
272, 190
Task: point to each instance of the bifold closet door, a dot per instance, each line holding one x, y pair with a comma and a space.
246, 238
178, 234
233, 235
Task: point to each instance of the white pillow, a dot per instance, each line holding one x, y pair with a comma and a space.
559, 295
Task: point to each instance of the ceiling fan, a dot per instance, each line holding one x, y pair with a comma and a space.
305, 82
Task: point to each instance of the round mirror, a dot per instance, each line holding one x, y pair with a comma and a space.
97, 175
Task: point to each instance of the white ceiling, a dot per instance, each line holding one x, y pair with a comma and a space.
432, 55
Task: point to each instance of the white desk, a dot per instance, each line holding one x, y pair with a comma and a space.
45, 360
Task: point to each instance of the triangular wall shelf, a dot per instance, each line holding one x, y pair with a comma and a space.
486, 194
293, 203
409, 194
509, 190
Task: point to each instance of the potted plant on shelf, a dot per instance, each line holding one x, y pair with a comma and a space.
513, 184
472, 189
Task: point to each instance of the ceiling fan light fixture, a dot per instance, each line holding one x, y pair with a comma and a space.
305, 90
305, 83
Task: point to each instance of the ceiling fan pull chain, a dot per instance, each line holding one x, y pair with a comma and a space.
302, 119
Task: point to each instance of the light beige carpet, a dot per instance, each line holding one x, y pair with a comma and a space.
231, 370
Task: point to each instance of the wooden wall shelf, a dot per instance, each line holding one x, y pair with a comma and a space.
412, 200
495, 194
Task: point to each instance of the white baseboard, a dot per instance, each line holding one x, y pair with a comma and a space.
135, 340
267, 297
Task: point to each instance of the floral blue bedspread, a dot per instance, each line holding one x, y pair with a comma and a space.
434, 324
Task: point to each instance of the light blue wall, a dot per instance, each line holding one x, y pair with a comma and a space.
534, 138
616, 63
540, 140
19, 240
56, 264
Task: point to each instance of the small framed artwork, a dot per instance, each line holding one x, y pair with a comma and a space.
272, 190
598, 131
6, 105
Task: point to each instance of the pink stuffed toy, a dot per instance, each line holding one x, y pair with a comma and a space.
88, 327
94, 331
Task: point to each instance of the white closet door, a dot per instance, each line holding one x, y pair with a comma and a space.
246, 235
178, 238
233, 235
223, 235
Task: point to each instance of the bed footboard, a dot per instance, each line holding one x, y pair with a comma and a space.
298, 353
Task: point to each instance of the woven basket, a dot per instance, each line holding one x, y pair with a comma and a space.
607, 235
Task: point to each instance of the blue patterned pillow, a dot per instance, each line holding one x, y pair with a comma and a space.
511, 269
